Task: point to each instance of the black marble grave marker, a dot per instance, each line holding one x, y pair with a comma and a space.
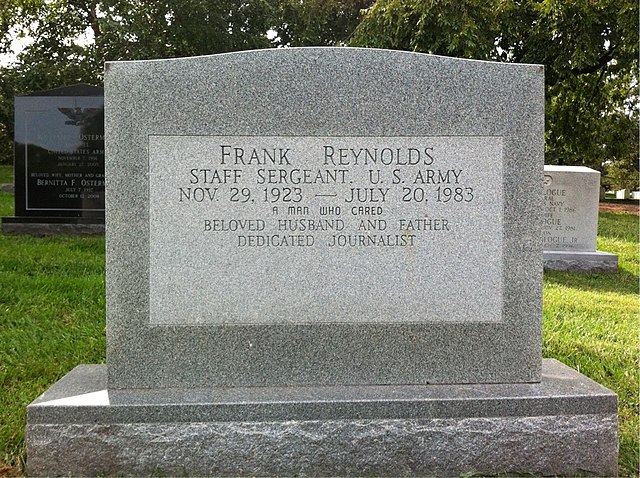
59, 162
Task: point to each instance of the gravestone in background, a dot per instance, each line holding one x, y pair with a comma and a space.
570, 223
59, 162
323, 261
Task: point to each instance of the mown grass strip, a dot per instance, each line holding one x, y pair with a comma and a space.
591, 323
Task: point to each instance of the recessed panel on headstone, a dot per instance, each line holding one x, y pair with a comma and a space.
571, 197
59, 153
279, 218
286, 229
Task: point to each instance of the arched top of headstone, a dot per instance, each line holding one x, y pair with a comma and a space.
80, 89
390, 204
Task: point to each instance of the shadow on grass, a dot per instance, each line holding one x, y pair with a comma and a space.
623, 282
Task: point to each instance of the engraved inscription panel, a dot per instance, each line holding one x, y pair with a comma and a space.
59, 156
260, 230
571, 196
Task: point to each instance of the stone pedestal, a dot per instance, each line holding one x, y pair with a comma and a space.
580, 261
564, 425
53, 226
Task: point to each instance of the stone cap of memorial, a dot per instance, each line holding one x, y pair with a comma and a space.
569, 169
79, 89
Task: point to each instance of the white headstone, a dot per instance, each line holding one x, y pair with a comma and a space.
571, 197
570, 222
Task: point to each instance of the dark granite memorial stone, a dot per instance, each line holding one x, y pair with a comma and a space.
59, 162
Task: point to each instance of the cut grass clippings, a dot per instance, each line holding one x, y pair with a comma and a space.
52, 318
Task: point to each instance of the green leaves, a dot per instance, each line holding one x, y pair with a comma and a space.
589, 49
456, 28
316, 22
144, 30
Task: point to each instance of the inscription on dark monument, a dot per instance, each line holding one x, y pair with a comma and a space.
59, 153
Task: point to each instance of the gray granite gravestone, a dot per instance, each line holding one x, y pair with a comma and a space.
59, 162
327, 262
570, 223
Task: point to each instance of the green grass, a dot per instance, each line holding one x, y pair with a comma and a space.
591, 322
52, 318
6, 173
6, 200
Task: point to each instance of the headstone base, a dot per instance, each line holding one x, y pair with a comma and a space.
576, 261
565, 425
53, 226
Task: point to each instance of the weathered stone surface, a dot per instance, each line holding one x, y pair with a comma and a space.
579, 261
549, 445
188, 307
566, 425
51, 228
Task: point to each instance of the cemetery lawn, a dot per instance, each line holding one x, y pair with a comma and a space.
52, 301
52, 319
591, 322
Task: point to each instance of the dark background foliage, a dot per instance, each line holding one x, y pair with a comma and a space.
589, 49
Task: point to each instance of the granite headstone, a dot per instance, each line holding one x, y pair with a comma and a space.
59, 162
621, 194
323, 261
570, 223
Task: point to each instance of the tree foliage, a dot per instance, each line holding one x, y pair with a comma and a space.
454, 28
6, 116
71, 39
137, 29
589, 49
317, 23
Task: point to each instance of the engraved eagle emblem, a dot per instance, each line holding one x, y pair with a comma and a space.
79, 116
